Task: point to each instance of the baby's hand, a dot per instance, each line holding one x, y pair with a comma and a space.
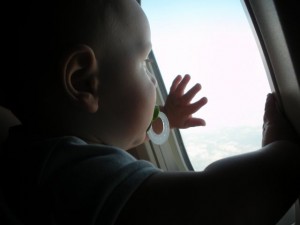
178, 106
276, 126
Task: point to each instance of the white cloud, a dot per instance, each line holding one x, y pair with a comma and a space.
204, 147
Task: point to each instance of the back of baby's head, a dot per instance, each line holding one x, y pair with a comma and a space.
48, 30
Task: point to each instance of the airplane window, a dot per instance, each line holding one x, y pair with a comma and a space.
213, 42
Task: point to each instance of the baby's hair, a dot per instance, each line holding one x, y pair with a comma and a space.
47, 31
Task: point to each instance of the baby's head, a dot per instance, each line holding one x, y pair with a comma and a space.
82, 71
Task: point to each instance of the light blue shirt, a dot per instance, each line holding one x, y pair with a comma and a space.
67, 181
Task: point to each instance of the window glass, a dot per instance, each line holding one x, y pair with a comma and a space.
213, 42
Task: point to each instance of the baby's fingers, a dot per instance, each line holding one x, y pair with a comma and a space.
271, 109
276, 126
194, 122
194, 107
175, 83
182, 85
187, 98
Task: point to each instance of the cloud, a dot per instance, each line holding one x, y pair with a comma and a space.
204, 148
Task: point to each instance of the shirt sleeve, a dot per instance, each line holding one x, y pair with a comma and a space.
90, 184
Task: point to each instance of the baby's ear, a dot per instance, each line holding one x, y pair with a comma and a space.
81, 78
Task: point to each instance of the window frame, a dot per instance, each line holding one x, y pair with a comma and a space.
264, 18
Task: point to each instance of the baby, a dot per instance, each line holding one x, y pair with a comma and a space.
84, 95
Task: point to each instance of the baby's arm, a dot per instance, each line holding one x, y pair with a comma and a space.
254, 188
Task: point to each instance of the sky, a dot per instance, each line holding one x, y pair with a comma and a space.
213, 42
